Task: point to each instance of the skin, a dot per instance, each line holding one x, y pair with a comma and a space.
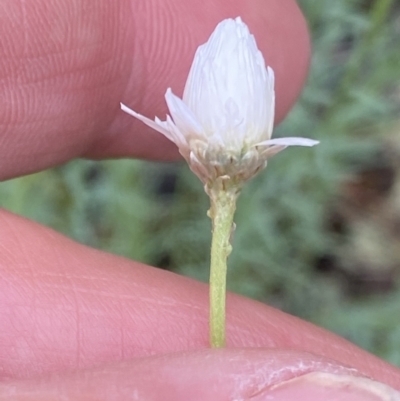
86, 325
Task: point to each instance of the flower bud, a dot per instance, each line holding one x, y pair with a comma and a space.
224, 122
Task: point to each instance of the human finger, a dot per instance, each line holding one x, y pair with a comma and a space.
226, 374
67, 66
64, 306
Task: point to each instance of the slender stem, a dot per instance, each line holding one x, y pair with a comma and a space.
223, 205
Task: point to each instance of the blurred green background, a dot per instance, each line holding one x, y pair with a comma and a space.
318, 233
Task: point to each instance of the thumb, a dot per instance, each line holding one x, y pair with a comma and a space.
64, 73
226, 374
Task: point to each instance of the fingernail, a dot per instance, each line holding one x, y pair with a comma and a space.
328, 387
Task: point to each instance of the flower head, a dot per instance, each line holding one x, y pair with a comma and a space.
224, 122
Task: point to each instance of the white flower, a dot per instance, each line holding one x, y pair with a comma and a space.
224, 122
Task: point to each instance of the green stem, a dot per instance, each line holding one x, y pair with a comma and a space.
223, 205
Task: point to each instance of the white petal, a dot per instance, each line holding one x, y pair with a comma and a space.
182, 116
272, 151
157, 125
271, 101
290, 141
177, 136
229, 69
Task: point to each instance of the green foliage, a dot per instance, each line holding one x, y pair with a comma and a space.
283, 242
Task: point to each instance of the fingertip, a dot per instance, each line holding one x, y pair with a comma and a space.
200, 375
163, 49
97, 308
329, 387
68, 104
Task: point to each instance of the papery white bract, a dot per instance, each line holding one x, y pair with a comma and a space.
229, 90
224, 122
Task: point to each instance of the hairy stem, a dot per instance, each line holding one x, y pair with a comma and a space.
223, 205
